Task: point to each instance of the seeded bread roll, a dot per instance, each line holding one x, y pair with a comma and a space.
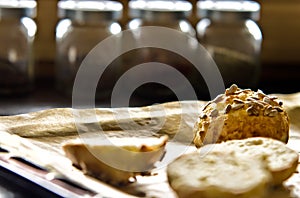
281, 161
239, 114
218, 174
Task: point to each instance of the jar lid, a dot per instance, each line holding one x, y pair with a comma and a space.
17, 8
90, 10
229, 10
140, 8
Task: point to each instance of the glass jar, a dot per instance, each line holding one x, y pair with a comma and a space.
82, 26
169, 14
229, 31
17, 32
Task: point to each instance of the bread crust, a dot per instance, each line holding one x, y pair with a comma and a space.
281, 161
240, 114
217, 174
117, 160
236, 168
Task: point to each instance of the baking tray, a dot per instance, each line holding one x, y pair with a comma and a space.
22, 178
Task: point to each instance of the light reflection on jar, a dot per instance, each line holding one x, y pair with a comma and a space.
17, 33
229, 32
169, 14
83, 25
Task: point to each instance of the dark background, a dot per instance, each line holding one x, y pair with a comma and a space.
280, 59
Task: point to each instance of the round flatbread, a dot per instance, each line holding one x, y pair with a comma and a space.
236, 168
281, 161
217, 174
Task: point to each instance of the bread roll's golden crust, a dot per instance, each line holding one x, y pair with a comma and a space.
239, 114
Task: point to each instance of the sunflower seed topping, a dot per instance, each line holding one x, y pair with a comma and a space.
267, 100
228, 108
232, 89
203, 116
250, 99
279, 109
268, 110
262, 103
219, 98
260, 93
243, 91
205, 106
270, 101
273, 97
237, 106
238, 101
252, 111
273, 113
257, 104
214, 113
253, 98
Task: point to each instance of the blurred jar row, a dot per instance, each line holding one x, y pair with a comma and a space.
17, 32
227, 29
